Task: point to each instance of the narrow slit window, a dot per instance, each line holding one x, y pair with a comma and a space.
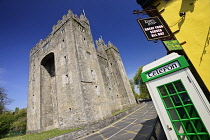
67, 79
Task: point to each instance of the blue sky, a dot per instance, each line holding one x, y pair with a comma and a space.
24, 22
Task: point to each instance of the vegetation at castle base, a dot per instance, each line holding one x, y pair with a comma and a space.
42, 135
119, 111
144, 93
11, 123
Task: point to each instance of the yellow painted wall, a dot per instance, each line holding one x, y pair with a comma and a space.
194, 29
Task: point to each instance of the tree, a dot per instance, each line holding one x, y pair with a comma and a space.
16, 110
4, 100
20, 120
144, 93
6, 120
11, 122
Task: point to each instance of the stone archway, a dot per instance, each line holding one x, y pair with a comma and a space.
48, 93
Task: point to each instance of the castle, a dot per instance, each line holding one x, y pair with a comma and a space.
71, 83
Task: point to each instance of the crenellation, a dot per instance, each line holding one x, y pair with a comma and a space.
101, 47
84, 19
70, 13
34, 50
64, 17
74, 83
110, 45
61, 23
100, 43
41, 41
40, 44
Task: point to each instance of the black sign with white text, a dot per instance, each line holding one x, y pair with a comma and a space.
153, 28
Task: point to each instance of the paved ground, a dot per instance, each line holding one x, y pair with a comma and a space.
137, 125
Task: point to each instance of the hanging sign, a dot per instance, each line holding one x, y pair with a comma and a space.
153, 28
173, 45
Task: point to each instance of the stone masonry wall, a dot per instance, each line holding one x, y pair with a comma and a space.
72, 84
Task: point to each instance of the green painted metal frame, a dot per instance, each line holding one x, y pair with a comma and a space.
182, 112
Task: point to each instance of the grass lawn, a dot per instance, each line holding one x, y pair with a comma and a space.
119, 111
42, 135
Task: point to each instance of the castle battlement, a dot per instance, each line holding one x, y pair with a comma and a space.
101, 46
112, 46
82, 20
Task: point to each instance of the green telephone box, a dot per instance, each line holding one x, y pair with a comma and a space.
181, 105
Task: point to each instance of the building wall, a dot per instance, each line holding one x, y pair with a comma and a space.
108, 77
70, 85
194, 29
116, 83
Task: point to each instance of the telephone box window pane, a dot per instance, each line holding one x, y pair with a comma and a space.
176, 100
168, 102
185, 98
162, 91
179, 127
170, 88
192, 111
179, 86
194, 137
188, 126
182, 113
199, 126
173, 114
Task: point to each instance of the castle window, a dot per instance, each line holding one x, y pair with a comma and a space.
65, 59
67, 79
62, 43
88, 55
82, 29
63, 31
46, 46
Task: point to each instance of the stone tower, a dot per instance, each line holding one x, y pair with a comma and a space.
72, 84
